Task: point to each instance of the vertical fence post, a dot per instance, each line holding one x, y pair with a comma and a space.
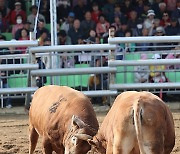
31, 81
111, 57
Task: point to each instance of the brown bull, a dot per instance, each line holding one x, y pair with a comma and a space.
58, 114
138, 122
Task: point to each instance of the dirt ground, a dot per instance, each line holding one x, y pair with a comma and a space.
14, 133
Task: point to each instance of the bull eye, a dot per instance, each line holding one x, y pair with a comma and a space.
74, 140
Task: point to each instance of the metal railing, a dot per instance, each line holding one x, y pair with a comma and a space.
57, 73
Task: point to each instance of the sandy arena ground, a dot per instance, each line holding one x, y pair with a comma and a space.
14, 133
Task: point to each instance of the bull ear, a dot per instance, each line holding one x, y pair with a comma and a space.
77, 122
84, 137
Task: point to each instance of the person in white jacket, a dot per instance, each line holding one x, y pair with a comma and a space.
142, 72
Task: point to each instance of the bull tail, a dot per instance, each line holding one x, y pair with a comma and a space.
138, 113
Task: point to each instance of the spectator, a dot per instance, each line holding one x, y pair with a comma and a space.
11, 5
63, 38
18, 25
108, 11
43, 37
41, 28
40, 80
80, 9
176, 12
144, 46
133, 21
138, 30
17, 11
162, 9
102, 26
139, 7
26, 26
87, 25
157, 73
67, 61
75, 32
4, 25
142, 72
117, 22
128, 47
63, 9
146, 7
68, 22
165, 21
160, 46
31, 18
171, 5
95, 12
44, 10
173, 28
148, 23
119, 13
152, 30
4, 75
4, 9
121, 31
24, 36
98, 82
127, 8
155, 6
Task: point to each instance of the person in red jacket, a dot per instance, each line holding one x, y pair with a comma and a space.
15, 12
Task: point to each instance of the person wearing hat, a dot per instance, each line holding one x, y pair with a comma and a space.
68, 22
11, 3
17, 11
31, 18
160, 46
148, 23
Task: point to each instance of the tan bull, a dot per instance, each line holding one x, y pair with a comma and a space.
138, 122
58, 114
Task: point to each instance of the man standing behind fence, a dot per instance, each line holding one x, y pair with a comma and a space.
40, 80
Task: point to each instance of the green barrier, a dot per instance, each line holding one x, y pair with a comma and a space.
8, 36
48, 26
17, 80
173, 76
132, 56
81, 65
127, 77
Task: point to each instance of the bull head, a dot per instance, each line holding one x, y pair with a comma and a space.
76, 137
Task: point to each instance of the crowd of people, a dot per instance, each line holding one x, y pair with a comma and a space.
79, 20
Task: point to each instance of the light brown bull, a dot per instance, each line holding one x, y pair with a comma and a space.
138, 122
58, 114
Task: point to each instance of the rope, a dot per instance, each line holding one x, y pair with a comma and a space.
36, 20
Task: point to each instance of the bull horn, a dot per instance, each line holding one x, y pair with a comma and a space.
84, 137
77, 121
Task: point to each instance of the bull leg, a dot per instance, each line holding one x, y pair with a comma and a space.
123, 145
33, 139
109, 149
47, 147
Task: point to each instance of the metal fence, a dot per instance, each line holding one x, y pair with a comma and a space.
85, 67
